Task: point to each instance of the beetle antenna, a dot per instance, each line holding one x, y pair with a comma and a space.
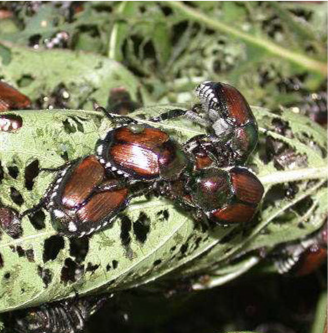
97, 107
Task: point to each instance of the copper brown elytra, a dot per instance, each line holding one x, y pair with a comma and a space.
225, 197
142, 152
232, 131
84, 198
12, 99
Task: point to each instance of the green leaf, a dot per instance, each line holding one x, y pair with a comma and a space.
41, 24
173, 245
262, 42
301, 29
320, 321
85, 76
121, 29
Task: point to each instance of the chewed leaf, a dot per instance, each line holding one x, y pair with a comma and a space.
83, 77
152, 238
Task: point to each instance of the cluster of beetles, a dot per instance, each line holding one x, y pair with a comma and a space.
134, 158
204, 176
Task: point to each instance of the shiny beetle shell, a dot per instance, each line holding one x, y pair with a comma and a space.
227, 197
77, 204
229, 120
12, 99
224, 101
142, 152
310, 260
302, 261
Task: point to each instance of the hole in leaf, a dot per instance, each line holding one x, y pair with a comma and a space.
13, 171
79, 248
115, 264
52, 246
64, 156
31, 172
69, 128
34, 41
163, 215
7, 276
1, 173
45, 275
25, 81
16, 197
38, 220
20, 251
30, 255
141, 228
166, 10
57, 99
228, 249
228, 238
79, 124
276, 193
1, 261
197, 242
184, 248
157, 262
303, 206
126, 226
91, 267
71, 271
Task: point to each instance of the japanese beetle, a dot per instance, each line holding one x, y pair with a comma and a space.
232, 126
310, 260
69, 316
304, 257
298, 260
85, 198
232, 131
12, 99
223, 197
142, 152
226, 197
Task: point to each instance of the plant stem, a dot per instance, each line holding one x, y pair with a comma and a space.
224, 278
321, 314
294, 175
297, 58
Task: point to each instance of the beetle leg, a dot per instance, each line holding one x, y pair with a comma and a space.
38, 206
171, 114
60, 168
140, 192
192, 115
196, 118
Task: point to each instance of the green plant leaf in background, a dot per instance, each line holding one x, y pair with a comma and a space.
85, 77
